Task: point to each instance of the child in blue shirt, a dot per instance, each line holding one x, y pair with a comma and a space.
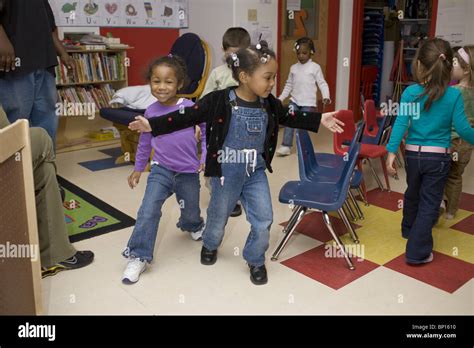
428, 143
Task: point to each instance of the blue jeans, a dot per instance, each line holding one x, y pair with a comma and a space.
289, 133
426, 177
32, 96
162, 183
254, 193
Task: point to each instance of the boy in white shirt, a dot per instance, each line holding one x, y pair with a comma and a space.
302, 85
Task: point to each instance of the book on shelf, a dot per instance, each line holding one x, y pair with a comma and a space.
99, 96
91, 67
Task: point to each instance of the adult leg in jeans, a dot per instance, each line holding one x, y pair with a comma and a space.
187, 194
434, 171
158, 188
33, 97
43, 113
256, 200
412, 193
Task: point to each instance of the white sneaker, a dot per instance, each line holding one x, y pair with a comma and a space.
198, 234
284, 150
132, 272
449, 216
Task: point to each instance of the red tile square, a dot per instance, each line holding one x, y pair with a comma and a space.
467, 202
388, 200
466, 225
313, 226
444, 272
331, 271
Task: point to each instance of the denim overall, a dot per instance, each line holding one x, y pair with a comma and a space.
244, 178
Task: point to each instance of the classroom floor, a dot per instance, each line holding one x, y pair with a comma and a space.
307, 279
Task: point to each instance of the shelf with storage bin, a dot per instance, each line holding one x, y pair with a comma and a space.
82, 91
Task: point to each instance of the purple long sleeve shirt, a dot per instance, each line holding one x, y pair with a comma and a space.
176, 151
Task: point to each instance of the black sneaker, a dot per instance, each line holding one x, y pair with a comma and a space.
258, 275
208, 257
79, 260
237, 210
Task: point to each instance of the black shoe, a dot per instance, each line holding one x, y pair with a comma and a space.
208, 257
258, 275
237, 211
63, 193
79, 260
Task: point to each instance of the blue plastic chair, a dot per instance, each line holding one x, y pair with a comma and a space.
320, 195
328, 167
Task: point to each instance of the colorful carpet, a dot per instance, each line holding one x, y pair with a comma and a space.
381, 245
87, 216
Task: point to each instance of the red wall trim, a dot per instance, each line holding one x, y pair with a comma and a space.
356, 58
331, 58
147, 43
279, 38
434, 18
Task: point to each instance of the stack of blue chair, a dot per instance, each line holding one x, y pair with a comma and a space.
321, 187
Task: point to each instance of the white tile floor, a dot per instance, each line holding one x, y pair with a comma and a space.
176, 283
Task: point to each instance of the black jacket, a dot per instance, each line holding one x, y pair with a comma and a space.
216, 111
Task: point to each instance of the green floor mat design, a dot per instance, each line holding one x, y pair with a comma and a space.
87, 216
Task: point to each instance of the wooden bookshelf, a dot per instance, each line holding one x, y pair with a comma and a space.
97, 74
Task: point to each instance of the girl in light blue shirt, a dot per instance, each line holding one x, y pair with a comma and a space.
427, 111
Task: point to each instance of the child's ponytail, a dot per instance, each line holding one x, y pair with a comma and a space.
432, 68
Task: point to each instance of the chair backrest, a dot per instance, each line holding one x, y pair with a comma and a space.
20, 289
370, 118
342, 140
307, 162
196, 54
344, 181
368, 78
306, 157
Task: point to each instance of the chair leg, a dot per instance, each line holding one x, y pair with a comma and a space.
327, 221
384, 168
364, 188
347, 206
356, 205
344, 218
377, 179
298, 213
292, 219
363, 197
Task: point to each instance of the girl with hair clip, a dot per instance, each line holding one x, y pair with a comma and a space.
428, 143
302, 85
242, 127
463, 71
175, 168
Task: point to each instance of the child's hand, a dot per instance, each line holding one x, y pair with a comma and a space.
330, 122
141, 125
326, 101
134, 179
390, 164
201, 167
197, 134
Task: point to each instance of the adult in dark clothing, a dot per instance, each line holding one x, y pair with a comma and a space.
29, 46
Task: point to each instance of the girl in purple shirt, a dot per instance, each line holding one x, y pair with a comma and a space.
175, 168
